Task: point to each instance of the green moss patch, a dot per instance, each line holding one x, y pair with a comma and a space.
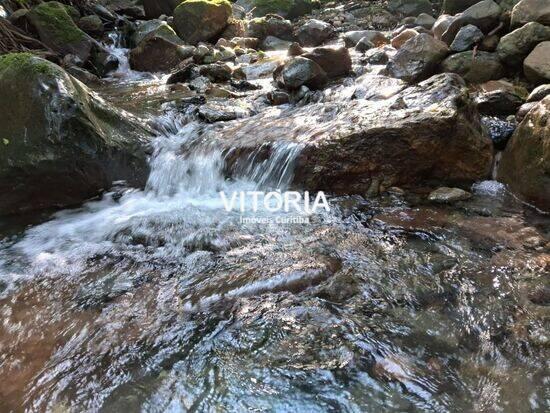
27, 63
53, 17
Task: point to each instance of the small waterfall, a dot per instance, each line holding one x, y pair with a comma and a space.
116, 48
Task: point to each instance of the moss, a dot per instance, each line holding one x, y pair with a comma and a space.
27, 63
56, 20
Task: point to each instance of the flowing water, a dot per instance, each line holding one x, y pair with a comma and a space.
161, 300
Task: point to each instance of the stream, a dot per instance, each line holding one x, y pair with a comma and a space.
161, 300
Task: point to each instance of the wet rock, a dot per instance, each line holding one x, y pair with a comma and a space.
377, 87
539, 93
221, 111
314, 32
220, 92
363, 45
271, 25
200, 84
260, 69
185, 74
335, 61
350, 145
58, 31
516, 46
456, 6
201, 20
446, 195
402, 37
410, 7
274, 43
485, 15
417, 59
528, 151
537, 65
278, 97
531, 11
83, 75
159, 50
374, 36
466, 38
498, 102
295, 50
91, 24
540, 295
75, 146
244, 85
299, 71
378, 56
441, 25
524, 110
102, 61
216, 72
478, 68
499, 130
156, 8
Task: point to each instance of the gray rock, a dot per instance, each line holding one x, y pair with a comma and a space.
481, 68
335, 61
417, 59
447, 195
425, 20
363, 45
539, 93
441, 25
531, 11
222, 111
537, 65
299, 71
498, 102
466, 38
274, 43
216, 72
516, 46
314, 32
270, 26
485, 15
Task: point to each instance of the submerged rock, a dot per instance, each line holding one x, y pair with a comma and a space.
525, 164
201, 20
60, 144
358, 146
449, 195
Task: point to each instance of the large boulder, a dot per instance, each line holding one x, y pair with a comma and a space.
159, 49
418, 58
335, 61
537, 65
410, 7
525, 164
286, 8
531, 11
60, 145
427, 133
476, 67
156, 8
201, 20
298, 71
58, 31
516, 46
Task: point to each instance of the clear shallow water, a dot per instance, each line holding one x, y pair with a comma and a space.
161, 300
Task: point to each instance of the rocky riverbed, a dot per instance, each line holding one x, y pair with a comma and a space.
126, 284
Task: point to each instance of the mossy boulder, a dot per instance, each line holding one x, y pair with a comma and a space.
286, 8
57, 30
60, 145
201, 20
158, 49
525, 164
